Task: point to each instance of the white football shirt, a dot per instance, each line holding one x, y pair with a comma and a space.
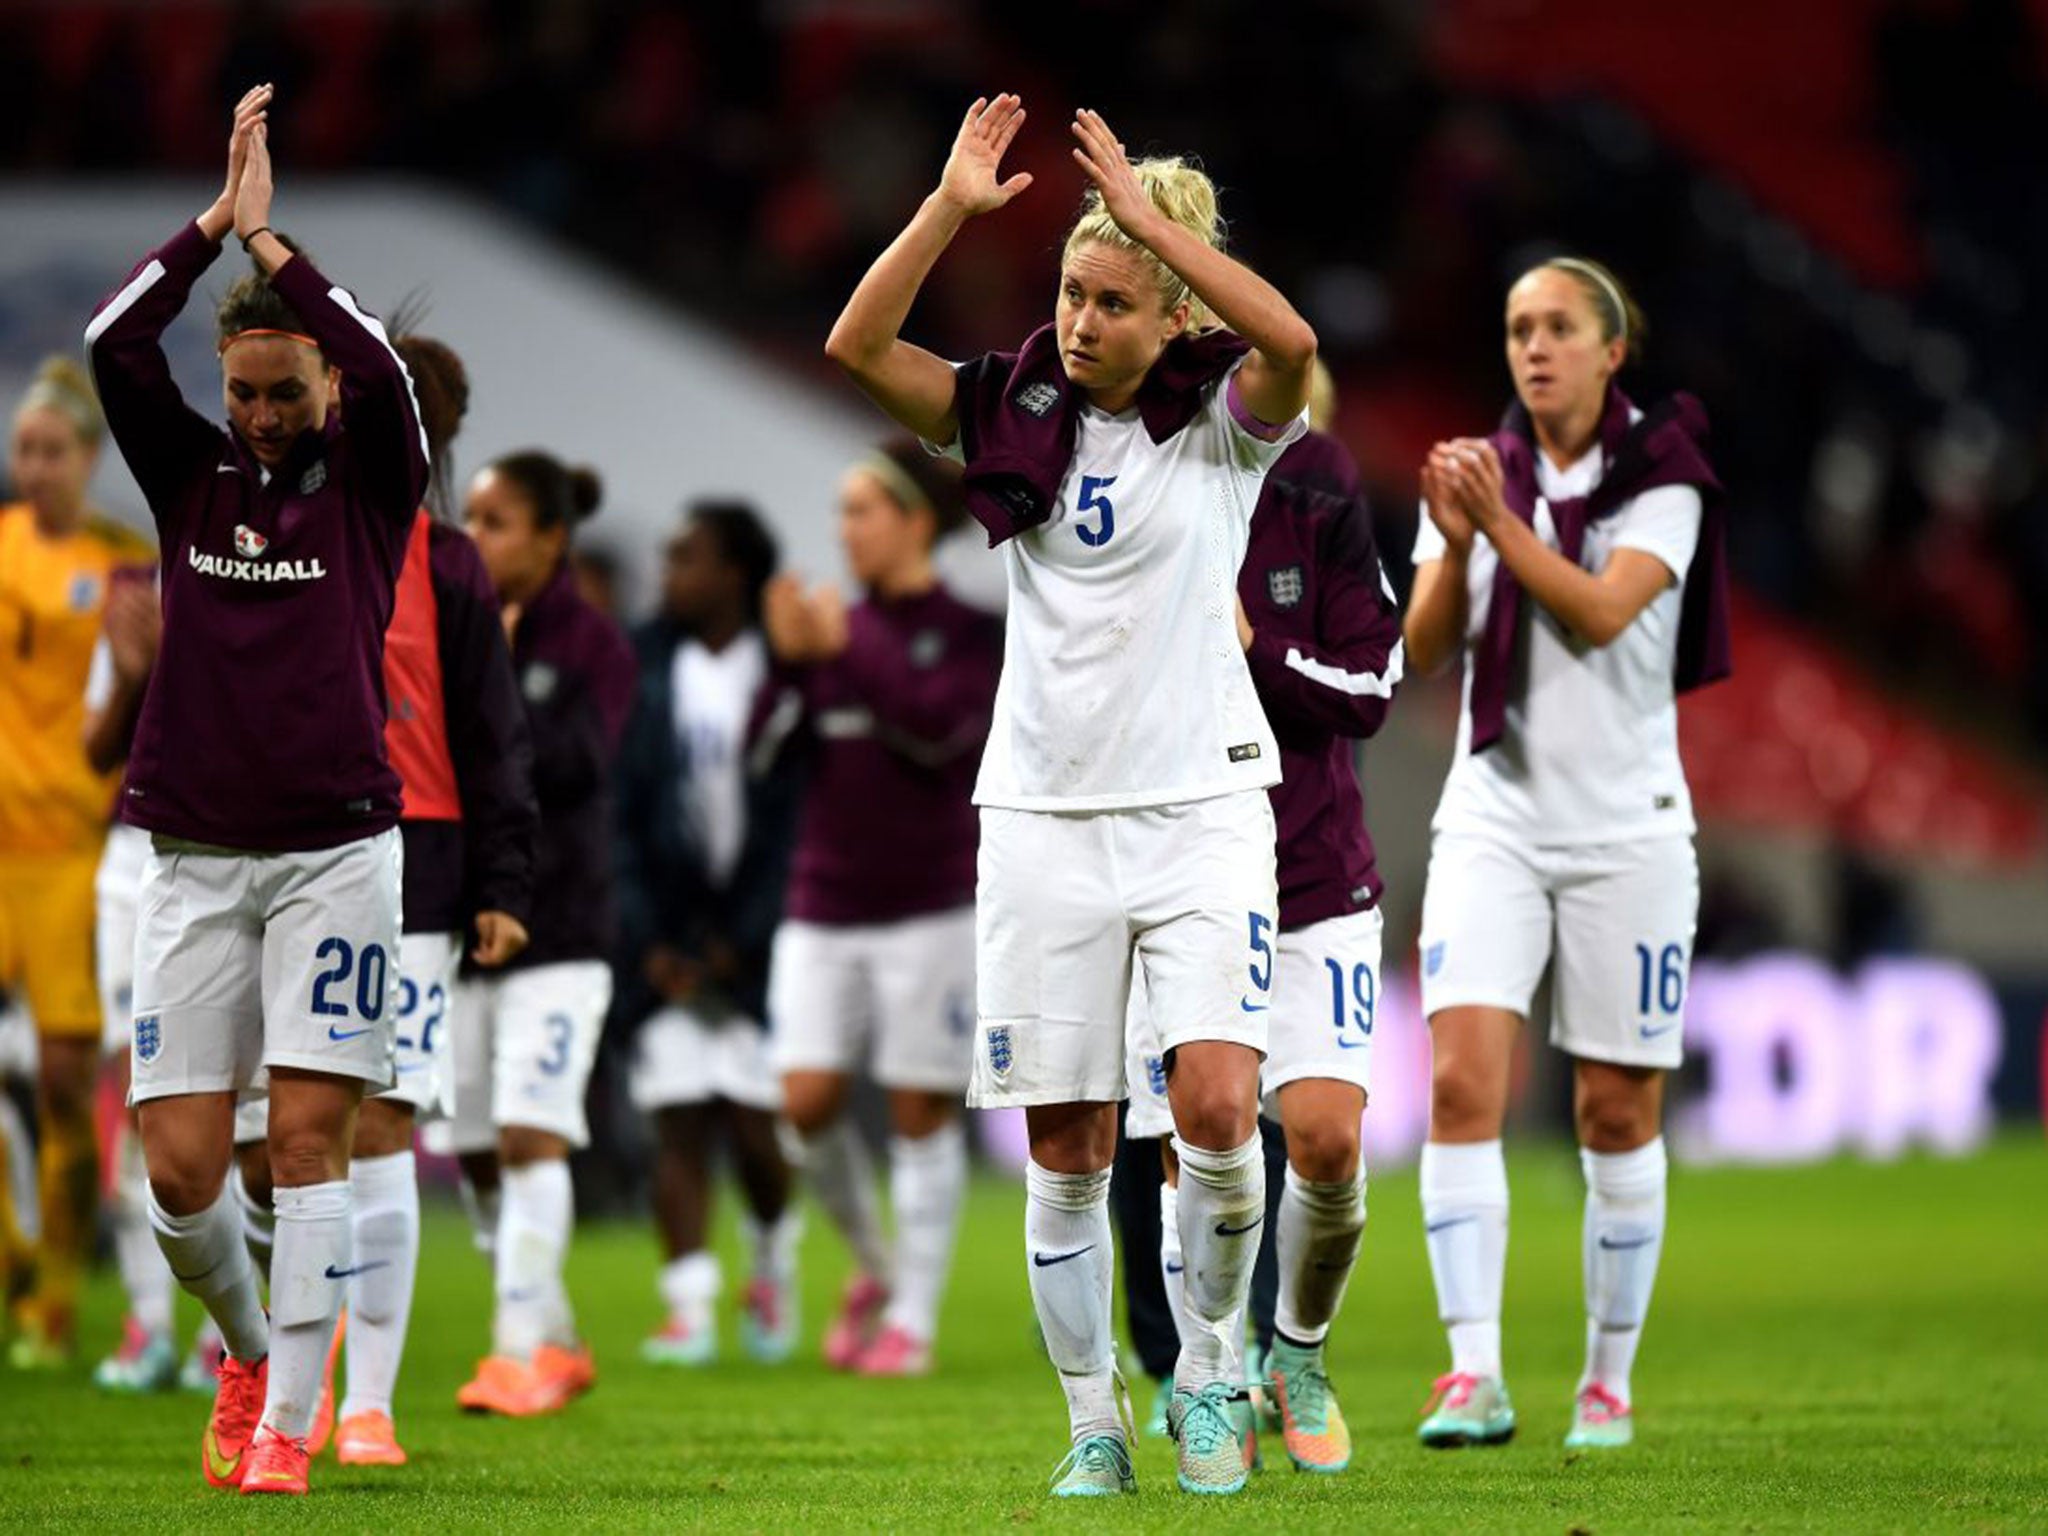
714, 693
1123, 682
1590, 749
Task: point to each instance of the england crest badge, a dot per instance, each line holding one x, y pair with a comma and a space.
149, 1036
1284, 586
1000, 1056
313, 478
1037, 398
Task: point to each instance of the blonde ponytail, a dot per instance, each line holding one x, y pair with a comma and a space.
1183, 192
61, 385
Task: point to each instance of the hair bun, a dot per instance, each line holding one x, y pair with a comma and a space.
586, 491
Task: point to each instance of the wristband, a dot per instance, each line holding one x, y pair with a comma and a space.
261, 229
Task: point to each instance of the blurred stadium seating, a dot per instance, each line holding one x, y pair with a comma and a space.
1834, 235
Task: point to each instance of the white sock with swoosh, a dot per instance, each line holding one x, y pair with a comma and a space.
1624, 1235
387, 1232
1222, 1209
1465, 1223
1072, 1258
309, 1274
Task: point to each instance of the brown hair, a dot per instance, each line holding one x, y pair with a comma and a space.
440, 387
914, 478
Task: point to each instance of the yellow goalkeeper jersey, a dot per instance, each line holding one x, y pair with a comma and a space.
52, 593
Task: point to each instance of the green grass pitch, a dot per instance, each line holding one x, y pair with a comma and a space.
1843, 1347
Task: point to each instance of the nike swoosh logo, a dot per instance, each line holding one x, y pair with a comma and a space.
1176, 1269
1226, 1231
222, 1467
339, 1035
1662, 1029
360, 1269
1449, 1221
1046, 1261
1612, 1246
1353, 1045
1251, 1007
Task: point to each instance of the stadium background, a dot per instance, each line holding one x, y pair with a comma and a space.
636, 221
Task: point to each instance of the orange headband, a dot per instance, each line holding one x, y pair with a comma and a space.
259, 331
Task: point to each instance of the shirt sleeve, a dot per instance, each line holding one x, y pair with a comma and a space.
379, 411
1664, 522
1344, 680
163, 439
1429, 539
1256, 444
488, 738
99, 676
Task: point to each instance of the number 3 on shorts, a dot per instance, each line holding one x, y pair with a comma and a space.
370, 978
561, 1029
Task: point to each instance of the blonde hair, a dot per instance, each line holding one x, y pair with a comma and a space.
1621, 318
61, 385
1182, 191
1322, 396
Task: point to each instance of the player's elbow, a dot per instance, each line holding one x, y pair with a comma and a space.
1292, 349
849, 349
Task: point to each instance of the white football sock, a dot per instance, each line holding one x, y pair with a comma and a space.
1320, 1227
308, 1281
144, 1275
259, 1224
207, 1256
842, 1175
483, 1207
1465, 1219
927, 1181
1068, 1245
689, 1288
1222, 1208
1171, 1269
772, 1247
387, 1254
537, 1207
1624, 1235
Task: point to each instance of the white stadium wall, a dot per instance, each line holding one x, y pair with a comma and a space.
561, 353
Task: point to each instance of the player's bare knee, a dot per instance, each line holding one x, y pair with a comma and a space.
252, 1162
186, 1188
522, 1145
812, 1103
1324, 1152
1215, 1116
1462, 1106
302, 1157
383, 1129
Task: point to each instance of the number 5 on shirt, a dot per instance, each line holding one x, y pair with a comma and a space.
1092, 500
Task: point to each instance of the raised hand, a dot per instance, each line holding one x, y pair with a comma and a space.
971, 181
1100, 154
252, 197
250, 114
